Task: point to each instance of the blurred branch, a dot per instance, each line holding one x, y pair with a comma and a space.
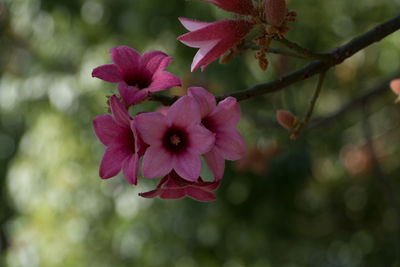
356, 102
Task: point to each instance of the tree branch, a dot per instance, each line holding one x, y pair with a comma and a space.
336, 56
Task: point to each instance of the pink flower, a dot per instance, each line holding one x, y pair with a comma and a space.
176, 140
221, 120
213, 39
137, 75
118, 134
173, 187
242, 7
395, 86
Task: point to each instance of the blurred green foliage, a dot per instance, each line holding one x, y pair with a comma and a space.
310, 202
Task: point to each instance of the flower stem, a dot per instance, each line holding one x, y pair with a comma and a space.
302, 51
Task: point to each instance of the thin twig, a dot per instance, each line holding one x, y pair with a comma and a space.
302, 51
312, 105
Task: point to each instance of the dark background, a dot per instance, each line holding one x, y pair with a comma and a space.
316, 201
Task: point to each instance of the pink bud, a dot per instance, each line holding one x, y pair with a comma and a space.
395, 86
275, 11
286, 119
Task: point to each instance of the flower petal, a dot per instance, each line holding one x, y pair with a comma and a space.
172, 193
154, 61
230, 144
215, 163
131, 94
200, 195
184, 112
109, 73
151, 127
193, 25
188, 166
163, 80
120, 113
156, 162
226, 115
204, 99
242, 7
112, 161
151, 194
106, 129
215, 39
201, 139
126, 59
130, 169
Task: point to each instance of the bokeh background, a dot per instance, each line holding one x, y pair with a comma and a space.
317, 201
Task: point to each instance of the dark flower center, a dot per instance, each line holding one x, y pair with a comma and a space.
175, 140
208, 124
140, 81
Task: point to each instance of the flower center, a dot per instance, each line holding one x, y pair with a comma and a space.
140, 81
208, 124
175, 140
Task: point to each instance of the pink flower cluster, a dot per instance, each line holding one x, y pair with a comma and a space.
170, 143
214, 39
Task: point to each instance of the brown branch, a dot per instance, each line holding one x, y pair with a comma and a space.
336, 56
303, 51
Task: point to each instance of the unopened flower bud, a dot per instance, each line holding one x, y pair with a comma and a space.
286, 119
395, 86
275, 11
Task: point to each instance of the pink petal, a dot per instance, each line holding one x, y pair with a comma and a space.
184, 112
140, 146
151, 127
157, 191
163, 80
201, 139
204, 99
172, 193
108, 73
126, 59
208, 186
156, 162
242, 7
112, 161
188, 166
130, 169
131, 94
215, 163
227, 114
230, 144
154, 61
395, 86
193, 25
106, 129
120, 113
215, 39
200, 195
151, 194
